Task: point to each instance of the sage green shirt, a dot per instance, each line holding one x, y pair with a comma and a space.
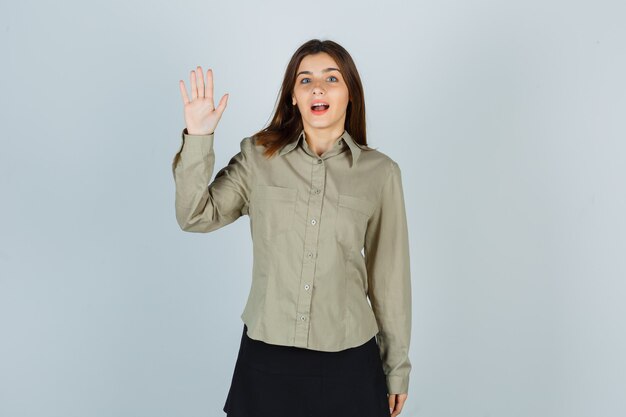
328, 232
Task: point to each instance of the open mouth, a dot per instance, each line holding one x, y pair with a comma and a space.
319, 108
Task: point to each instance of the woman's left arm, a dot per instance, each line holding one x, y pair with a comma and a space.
389, 280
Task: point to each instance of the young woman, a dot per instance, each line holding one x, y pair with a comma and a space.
329, 233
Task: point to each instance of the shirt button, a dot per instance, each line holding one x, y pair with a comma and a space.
306, 287
310, 254
313, 221
319, 161
302, 318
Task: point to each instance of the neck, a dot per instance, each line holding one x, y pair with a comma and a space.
321, 139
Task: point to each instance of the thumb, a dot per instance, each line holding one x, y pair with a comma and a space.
222, 105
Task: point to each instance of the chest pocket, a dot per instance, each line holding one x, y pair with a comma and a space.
352, 216
273, 211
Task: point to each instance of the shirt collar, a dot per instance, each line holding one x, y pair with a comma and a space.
355, 147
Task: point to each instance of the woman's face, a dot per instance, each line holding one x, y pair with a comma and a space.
318, 78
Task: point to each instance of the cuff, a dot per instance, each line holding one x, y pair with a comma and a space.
397, 384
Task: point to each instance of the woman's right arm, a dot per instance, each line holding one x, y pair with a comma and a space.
200, 206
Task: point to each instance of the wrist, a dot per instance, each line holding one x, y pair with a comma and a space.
187, 132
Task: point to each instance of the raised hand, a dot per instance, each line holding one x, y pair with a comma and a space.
201, 116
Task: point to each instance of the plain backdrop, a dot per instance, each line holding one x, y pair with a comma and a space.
506, 118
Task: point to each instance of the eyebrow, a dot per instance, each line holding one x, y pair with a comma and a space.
325, 70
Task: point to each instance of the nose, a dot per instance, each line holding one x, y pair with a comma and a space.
317, 88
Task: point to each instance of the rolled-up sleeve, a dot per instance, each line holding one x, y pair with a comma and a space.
202, 206
389, 281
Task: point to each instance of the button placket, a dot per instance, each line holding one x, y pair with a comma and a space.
314, 211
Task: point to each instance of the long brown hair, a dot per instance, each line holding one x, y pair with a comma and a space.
286, 122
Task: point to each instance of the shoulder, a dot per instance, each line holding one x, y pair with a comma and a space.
246, 144
250, 145
378, 160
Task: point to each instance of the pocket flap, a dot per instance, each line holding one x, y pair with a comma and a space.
276, 193
355, 203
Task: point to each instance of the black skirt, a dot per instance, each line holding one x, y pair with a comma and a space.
288, 381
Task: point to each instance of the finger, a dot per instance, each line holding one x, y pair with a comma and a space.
392, 402
200, 82
209, 83
222, 105
194, 86
400, 399
183, 91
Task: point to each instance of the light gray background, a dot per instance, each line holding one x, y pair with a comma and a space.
506, 118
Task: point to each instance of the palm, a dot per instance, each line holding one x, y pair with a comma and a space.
201, 115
